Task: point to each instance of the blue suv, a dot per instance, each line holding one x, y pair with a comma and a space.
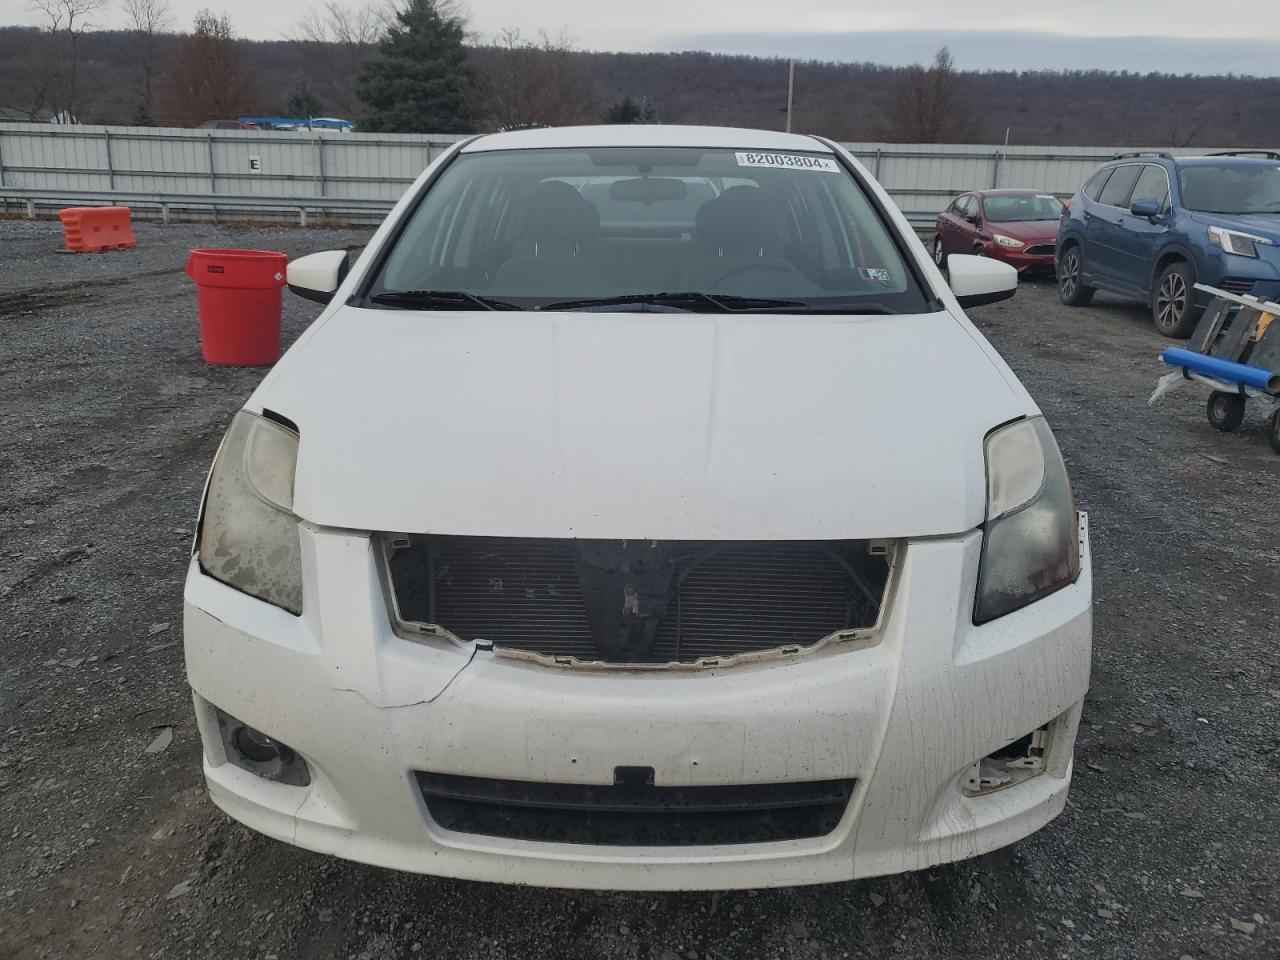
1150, 225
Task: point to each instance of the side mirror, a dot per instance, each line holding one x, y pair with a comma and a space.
979, 280
317, 276
1146, 208
974, 219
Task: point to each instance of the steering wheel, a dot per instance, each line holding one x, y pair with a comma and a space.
762, 267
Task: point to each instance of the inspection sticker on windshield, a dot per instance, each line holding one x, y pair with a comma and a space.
787, 161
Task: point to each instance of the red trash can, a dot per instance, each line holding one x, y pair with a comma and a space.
238, 293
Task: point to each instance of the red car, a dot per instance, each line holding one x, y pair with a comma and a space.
1019, 227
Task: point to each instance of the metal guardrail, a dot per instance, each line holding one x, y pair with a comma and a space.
34, 198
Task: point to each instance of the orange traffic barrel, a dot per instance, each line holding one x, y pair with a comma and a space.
94, 229
238, 294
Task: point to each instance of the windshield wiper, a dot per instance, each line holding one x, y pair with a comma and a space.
688, 300
439, 300
843, 307
691, 301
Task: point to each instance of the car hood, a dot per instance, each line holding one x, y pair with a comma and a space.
1261, 224
1028, 231
642, 425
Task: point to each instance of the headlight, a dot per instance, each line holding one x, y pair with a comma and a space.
1030, 544
249, 535
1009, 242
1233, 241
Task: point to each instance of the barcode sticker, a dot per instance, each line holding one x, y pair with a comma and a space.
788, 161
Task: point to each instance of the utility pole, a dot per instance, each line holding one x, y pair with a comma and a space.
791, 92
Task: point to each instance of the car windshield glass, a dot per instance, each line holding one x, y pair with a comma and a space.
726, 229
1029, 206
1249, 187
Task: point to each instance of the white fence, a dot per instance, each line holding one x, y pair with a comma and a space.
246, 163
355, 173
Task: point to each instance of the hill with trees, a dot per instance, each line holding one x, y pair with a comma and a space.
351, 62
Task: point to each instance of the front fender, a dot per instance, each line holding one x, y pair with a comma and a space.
1067, 235
1173, 248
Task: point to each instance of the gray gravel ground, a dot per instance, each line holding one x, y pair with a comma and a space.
1169, 848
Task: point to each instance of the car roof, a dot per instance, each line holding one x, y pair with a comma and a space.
1192, 161
1229, 160
1011, 192
644, 135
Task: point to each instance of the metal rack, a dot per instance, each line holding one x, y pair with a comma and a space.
1235, 351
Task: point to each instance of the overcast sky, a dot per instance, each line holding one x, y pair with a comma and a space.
1175, 36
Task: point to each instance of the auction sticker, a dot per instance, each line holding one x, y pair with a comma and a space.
788, 161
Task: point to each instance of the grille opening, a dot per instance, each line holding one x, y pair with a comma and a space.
1241, 286
635, 814
637, 601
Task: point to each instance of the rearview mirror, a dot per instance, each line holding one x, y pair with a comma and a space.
1146, 208
648, 189
317, 276
978, 280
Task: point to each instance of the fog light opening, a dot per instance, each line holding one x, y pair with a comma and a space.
1009, 765
261, 754
256, 745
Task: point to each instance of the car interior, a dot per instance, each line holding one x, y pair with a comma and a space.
773, 233
1011, 208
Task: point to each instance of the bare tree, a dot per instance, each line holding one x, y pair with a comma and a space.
148, 20
209, 79
536, 81
24, 78
929, 105
64, 23
1189, 123
338, 40
334, 23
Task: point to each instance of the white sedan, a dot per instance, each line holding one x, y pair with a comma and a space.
642, 512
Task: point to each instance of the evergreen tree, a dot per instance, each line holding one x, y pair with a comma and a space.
141, 116
421, 79
302, 102
627, 110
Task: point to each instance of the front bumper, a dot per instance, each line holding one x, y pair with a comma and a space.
1022, 261
905, 717
1257, 276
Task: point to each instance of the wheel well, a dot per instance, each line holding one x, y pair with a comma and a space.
1067, 245
1164, 261
1171, 257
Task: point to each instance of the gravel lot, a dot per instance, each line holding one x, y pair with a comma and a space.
1169, 848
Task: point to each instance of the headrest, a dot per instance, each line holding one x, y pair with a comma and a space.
740, 219
557, 212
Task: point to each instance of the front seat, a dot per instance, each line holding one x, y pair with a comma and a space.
737, 244
556, 253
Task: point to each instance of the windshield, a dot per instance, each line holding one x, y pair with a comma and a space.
1231, 187
540, 228
1029, 206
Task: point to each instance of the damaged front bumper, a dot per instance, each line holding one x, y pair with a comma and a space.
893, 731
